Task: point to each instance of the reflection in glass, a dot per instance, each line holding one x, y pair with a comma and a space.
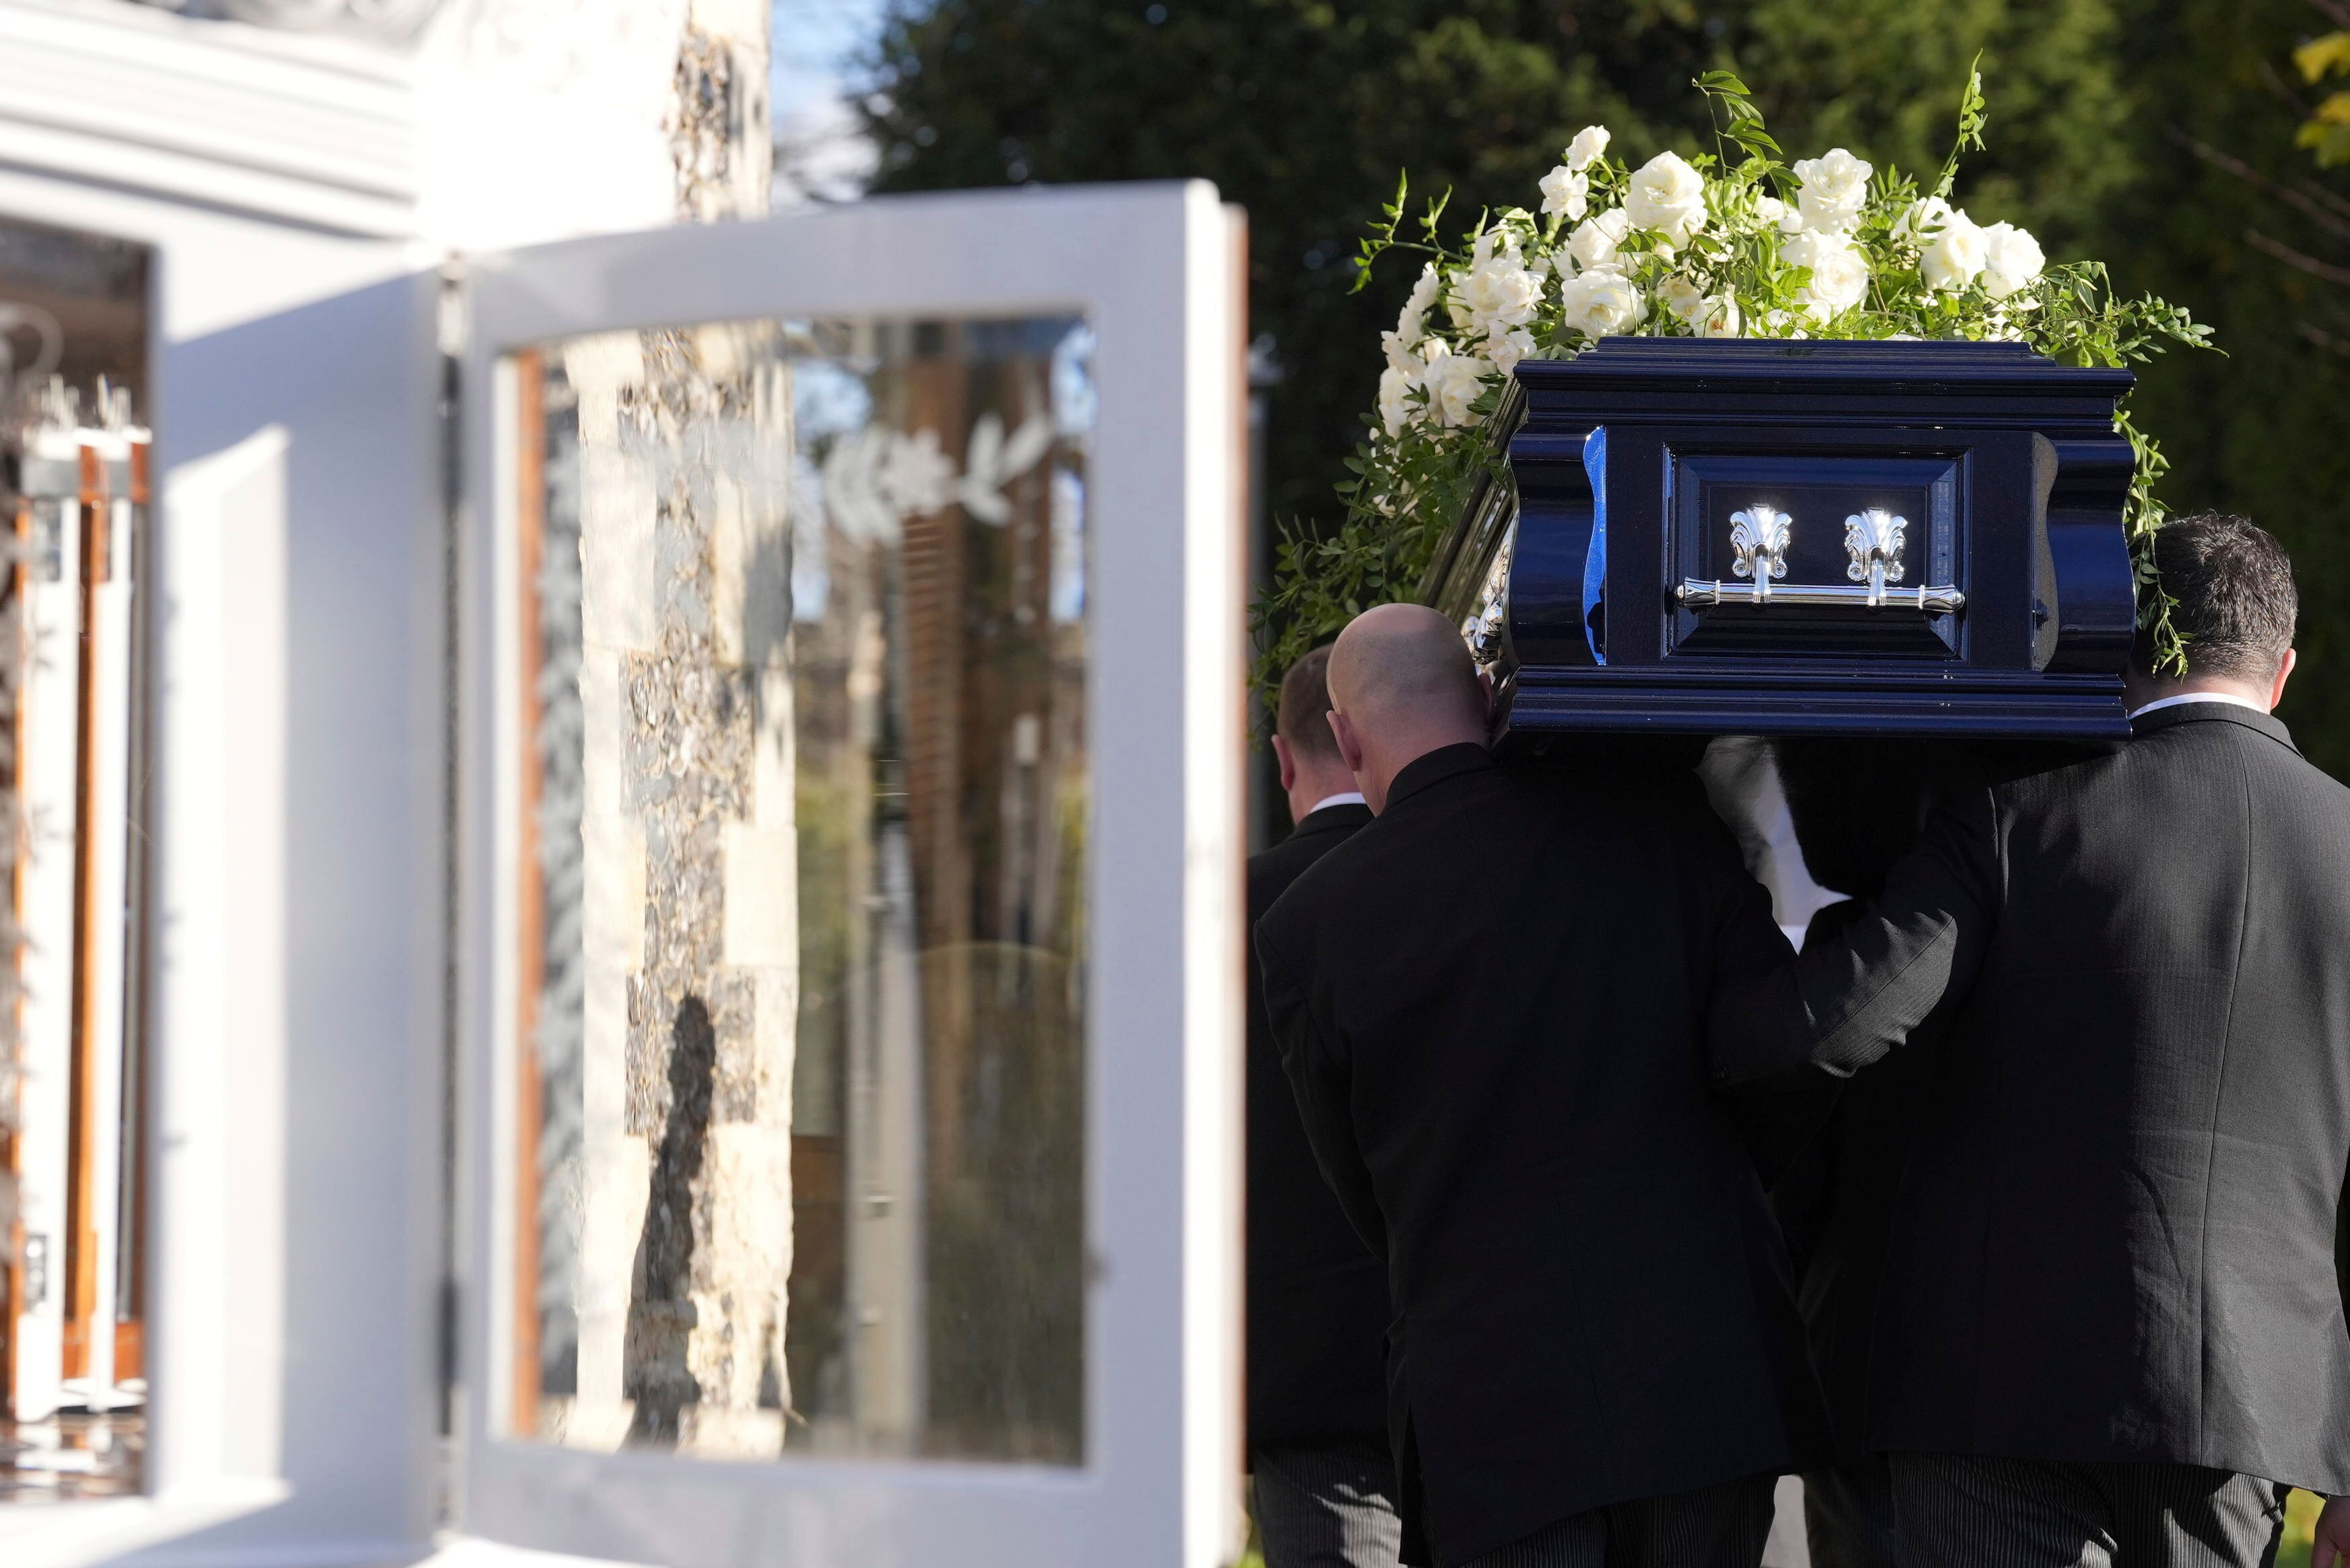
73, 775
802, 919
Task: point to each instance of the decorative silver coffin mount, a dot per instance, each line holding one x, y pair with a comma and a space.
1875, 539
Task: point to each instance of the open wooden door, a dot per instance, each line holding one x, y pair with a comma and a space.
850, 825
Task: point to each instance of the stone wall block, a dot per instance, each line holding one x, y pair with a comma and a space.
739, 1085
616, 554
612, 1215
774, 1033
729, 558
763, 905
775, 762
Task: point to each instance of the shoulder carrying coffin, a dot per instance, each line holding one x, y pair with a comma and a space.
1778, 538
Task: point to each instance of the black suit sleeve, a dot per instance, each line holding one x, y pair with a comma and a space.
1859, 994
1779, 1120
1320, 1078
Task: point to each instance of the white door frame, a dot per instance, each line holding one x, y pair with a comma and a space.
1155, 269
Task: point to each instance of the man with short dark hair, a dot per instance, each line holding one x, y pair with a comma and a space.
2110, 1329
1317, 1298
1493, 1001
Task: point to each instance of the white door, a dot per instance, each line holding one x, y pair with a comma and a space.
850, 674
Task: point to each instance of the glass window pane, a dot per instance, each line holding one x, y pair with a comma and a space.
74, 512
802, 915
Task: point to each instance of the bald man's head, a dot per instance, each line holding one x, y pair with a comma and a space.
1405, 667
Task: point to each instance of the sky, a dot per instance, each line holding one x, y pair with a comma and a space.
819, 155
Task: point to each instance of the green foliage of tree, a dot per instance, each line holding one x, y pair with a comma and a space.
1875, 75
2326, 131
2224, 213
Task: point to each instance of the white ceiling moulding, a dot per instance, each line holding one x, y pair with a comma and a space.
392, 21
309, 131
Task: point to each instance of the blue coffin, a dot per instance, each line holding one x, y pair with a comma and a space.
1778, 538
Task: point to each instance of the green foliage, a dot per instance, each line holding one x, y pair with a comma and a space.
1743, 122
1876, 76
1374, 557
2299, 1538
2326, 131
1973, 112
2217, 189
1519, 285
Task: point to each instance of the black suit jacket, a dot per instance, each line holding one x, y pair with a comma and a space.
1838, 1207
1492, 1002
1317, 1298
1859, 805
2115, 1239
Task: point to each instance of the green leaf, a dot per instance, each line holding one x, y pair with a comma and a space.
2327, 54
1972, 116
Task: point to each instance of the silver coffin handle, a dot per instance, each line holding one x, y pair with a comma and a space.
1696, 593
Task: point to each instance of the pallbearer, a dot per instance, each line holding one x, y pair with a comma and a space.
1492, 1002
2111, 1329
1317, 1298
1857, 805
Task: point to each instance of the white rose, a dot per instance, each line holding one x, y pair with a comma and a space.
2012, 259
1584, 149
1669, 196
1498, 293
1412, 324
1719, 317
1706, 315
1505, 351
1772, 213
1456, 304
1602, 301
1953, 255
1565, 192
1683, 297
1832, 191
1454, 382
1839, 273
1395, 406
1593, 241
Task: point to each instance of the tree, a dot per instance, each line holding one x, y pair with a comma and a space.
2225, 214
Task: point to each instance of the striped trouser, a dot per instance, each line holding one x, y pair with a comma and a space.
1962, 1511
1326, 1507
1848, 1515
1715, 1527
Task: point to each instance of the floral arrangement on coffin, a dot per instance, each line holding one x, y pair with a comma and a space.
1709, 246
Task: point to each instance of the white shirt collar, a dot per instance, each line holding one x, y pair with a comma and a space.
1349, 798
2186, 696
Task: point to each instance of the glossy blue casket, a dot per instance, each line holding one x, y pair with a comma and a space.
1783, 539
